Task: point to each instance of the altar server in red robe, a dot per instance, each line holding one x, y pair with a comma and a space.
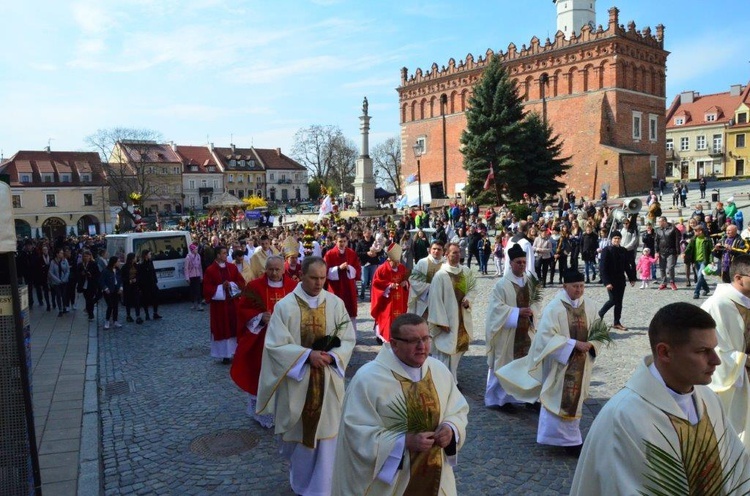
222, 283
344, 270
390, 293
254, 310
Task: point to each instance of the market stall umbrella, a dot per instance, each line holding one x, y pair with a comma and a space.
226, 200
381, 193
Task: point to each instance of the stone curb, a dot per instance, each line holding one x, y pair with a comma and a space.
89, 470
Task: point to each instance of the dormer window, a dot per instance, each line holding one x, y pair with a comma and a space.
252, 163
25, 178
710, 117
679, 121
211, 168
232, 163
193, 168
242, 163
742, 118
48, 178
85, 178
65, 178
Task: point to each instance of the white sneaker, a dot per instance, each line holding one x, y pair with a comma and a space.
117, 324
106, 325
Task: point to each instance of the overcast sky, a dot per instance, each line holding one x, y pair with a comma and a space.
254, 72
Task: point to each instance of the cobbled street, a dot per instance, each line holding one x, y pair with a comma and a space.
174, 423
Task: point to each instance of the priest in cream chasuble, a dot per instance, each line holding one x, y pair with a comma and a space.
421, 278
309, 342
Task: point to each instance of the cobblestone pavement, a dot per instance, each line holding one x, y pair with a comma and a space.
160, 392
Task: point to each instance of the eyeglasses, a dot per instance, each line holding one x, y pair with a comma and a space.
414, 342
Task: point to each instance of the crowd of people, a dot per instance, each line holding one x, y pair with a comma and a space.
283, 310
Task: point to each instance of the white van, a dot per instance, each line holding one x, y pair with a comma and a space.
168, 252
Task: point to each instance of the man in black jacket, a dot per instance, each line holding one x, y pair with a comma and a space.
368, 259
667, 246
614, 266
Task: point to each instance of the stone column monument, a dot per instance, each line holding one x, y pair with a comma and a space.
364, 181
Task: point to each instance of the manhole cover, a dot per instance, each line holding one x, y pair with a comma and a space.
224, 443
117, 388
193, 352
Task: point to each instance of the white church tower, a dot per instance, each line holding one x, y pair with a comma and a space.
572, 15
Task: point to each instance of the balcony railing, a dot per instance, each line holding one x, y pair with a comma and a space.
716, 152
672, 155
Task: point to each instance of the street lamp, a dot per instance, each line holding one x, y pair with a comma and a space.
418, 151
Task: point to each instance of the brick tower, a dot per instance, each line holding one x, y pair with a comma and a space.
602, 90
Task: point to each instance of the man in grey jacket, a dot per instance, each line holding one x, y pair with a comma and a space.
667, 246
630, 238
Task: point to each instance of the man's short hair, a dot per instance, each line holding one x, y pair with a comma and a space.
342, 234
310, 261
448, 246
439, 243
740, 266
663, 218
405, 319
264, 237
274, 258
672, 324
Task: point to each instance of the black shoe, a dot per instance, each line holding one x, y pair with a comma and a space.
48, 308
59, 314
129, 319
537, 406
147, 317
587, 280
508, 408
226, 361
696, 297
139, 321
157, 316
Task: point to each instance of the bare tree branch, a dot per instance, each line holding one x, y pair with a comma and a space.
386, 159
327, 153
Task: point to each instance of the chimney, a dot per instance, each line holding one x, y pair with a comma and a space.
278, 152
211, 146
233, 147
173, 145
735, 90
687, 97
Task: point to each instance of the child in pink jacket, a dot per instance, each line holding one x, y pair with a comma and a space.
645, 262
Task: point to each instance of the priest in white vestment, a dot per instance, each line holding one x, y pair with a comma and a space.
258, 259
558, 368
509, 326
520, 239
730, 308
374, 457
421, 277
309, 342
449, 318
666, 406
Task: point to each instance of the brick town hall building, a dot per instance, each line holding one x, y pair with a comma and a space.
601, 89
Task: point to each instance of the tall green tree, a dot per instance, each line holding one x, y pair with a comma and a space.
542, 152
493, 132
524, 153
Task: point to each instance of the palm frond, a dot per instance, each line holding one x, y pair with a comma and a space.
338, 327
418, 276
599, 331
255, 299
409, 417
693, 470
535, 290
467, 282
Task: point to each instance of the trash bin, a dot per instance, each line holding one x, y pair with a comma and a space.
715, 196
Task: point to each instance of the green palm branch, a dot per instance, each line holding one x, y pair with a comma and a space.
418, 276
673, 473
409, 417
467, 282
599, 331
535, 290
255, 299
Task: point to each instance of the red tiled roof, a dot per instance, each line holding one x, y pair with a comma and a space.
721, 104
274, 159
199, 156
41, 162
140, 152
45, 167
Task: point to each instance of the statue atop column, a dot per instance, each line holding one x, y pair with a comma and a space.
364, 181
365, 106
